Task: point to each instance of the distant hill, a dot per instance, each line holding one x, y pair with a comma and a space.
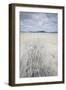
36, 32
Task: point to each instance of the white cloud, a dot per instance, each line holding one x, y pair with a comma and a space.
38, 22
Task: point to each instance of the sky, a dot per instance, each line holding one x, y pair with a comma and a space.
38, 21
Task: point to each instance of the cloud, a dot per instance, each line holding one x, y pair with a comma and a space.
36, 21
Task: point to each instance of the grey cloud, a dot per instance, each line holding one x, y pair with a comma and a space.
34, 21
